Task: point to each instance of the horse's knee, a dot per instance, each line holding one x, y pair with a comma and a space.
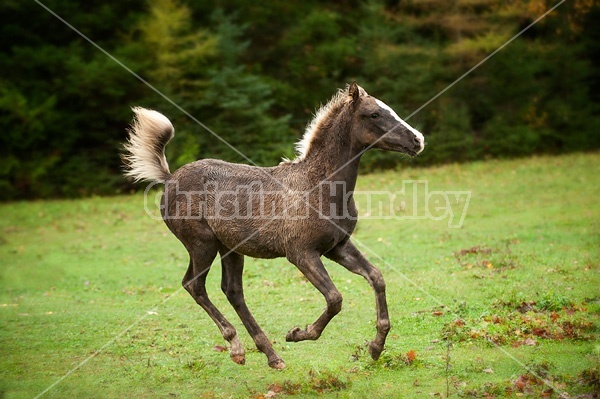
377, 281
334, 302
383, 326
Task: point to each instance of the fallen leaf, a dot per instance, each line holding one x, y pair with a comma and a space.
525, 307
520, 383
219, 348
437, 313
488, 371
275, 388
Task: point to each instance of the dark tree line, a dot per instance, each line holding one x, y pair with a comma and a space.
254, 72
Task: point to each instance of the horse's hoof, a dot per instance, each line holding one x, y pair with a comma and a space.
297, 334
375, 350
239, 359
292, 335
277, 364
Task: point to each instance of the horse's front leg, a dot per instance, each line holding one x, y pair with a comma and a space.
311, 266
350, 257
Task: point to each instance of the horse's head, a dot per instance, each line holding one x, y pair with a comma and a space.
378, 126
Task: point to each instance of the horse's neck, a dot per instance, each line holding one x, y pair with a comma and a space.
333, 158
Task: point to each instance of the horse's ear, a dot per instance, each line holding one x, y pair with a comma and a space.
354, 92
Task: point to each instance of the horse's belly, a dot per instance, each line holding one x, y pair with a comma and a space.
248, 239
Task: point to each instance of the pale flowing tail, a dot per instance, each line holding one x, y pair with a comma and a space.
144, 151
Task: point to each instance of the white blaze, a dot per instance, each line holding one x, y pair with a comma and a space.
417, 134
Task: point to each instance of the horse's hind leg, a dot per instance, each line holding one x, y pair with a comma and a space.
194, 282
231, 284
350, 257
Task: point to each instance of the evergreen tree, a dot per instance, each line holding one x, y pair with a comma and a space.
61, 99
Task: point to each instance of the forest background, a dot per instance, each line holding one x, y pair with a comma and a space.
254, 72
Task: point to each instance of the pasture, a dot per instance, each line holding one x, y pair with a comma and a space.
507, 305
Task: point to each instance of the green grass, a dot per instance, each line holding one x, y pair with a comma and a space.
98, 274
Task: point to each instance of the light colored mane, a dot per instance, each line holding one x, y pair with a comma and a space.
302, 147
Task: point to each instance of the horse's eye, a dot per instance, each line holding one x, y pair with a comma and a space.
374, 115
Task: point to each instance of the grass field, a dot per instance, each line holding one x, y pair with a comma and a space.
508, 305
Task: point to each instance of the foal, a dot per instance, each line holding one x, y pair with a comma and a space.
301, 209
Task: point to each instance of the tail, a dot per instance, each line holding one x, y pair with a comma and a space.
144, 151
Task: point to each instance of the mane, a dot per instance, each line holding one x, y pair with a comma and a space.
302, 147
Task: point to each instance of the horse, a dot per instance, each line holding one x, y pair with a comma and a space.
301, 209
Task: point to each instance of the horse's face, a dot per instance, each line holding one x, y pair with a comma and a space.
377, 125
